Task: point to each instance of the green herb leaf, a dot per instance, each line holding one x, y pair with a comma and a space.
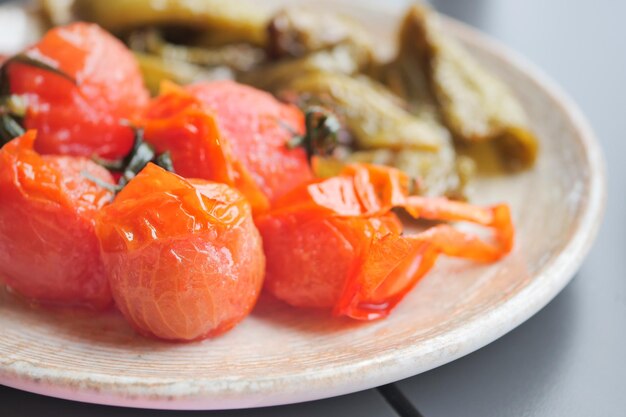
111, 187
139, 156
112, 165
165, 161
13, 107
10, 128
27, 59
322, 128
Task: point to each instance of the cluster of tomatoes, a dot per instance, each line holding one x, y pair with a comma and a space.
184, 248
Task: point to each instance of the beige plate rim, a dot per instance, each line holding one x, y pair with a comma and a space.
393, 365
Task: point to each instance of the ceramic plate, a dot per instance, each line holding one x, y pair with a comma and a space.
280, 355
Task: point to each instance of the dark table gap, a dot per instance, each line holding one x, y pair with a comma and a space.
369, 403
398, 401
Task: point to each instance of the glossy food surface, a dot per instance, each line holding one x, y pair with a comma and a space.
48, 246
179, 123
455, 310
184, 259
335, 242
81, 117
258, 126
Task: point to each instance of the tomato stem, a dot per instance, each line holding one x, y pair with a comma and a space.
320, 137
108, 186
139, 156
28, 59
10, 128
13, 107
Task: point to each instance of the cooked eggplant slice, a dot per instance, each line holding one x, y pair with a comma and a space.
295, 32
155, 69
239, 57
474, 105
438, 173
411, 85
409, 113
439, 170
275, 76
373, 116
242, 22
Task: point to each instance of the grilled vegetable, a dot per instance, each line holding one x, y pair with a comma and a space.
276, 75
178, 123
90, 83
474, 104
257, 127
238, 57
373, 116
295, 32
230, 21
48, 247
217, 131
183, 257
57, 12
335, 244
437, 173
155, 70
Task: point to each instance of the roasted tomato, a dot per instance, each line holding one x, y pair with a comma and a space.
79, 113
335, 244
178, 123
48, 247
258, 128
183, 257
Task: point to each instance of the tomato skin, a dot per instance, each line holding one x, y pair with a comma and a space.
335, 243
184, 259
308, 260
48, 248
176, 122
327, 262
331, 243
258, 127
82, 119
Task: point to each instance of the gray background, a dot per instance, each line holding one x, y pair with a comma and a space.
568, 360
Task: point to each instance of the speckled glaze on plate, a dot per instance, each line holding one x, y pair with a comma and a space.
280, 355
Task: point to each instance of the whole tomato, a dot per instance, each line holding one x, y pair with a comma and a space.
81, 111
258, 127
48, 247
335, 243
178, 123
183, 257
